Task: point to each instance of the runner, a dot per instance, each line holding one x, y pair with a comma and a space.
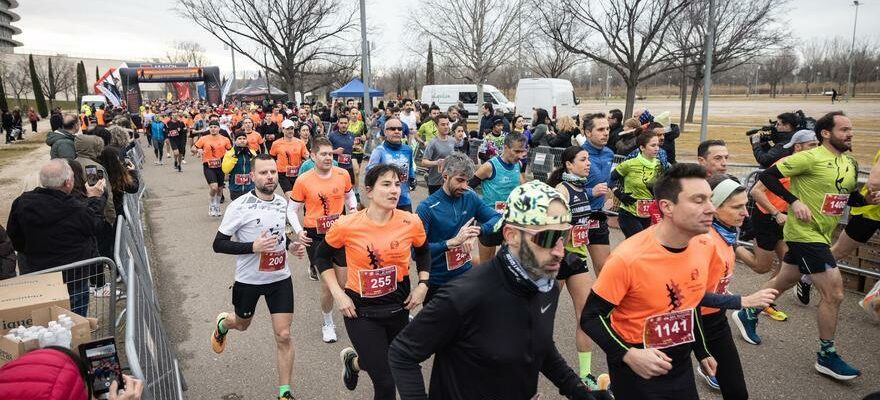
324, 191
211, 149
258, 222
495, 314
361, 138
823, 182
289, 153
343, 142
712, 154
394, 151
643, 306
570, 180
450, 216
601, 160
237, 165
632, 182
863, 222
440, 147
378, 242
157, 133
255, 140
499, 176
176, 132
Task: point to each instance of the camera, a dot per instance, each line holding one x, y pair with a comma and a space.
769, 134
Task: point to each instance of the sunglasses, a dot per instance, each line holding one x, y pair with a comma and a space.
394, 128
547, 238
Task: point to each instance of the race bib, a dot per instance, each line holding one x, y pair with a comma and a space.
172, 133
594, 224
242, 179
834, 204
213, 163
292, 171
670, 329
580, 235
500, 206
456, 257
377, 282
643, 208
324, 223
654, 211
357, 140
723, 285
272, 261
345, 158
404, 172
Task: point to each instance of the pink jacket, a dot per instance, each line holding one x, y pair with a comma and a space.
43, 374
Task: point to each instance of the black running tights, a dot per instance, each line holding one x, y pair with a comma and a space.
371, 338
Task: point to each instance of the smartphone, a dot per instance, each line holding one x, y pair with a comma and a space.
104, 367
92, 174
100, 174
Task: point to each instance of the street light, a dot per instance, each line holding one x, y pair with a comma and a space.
852, 47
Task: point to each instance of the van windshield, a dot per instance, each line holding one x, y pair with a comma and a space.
500, 96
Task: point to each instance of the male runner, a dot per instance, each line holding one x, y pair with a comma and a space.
596, 130
823, 182
324, 191
289, 153
864, 221
643, 309
712, 154
258, 222
394, 151
343, 143
176, 132
499, 176
211, 149
450, 216
440, 147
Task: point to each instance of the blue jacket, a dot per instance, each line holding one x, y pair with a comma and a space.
157, 130
443, 216
400, 155
661, 155
600, 172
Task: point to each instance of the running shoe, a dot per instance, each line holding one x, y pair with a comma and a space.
222, 197
211, 210
183, 161
156, 162
802, 291
710, 380
218, 341
591, 383
286, 396
834, 366
604, 382
748, 327
329, 333
349, 373
774, 313
313, 273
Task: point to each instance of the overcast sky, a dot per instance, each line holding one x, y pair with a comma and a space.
139, 29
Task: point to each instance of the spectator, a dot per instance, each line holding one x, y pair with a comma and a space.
540, 127
615, 121
51, 228
121, 176
98, 130
121, 133
33, 118
55, 120
668, 132
766, 153
62, 140
567, 129
486, 121
7, 256
7, 126
626, 139
16, 123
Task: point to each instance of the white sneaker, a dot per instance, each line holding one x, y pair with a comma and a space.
329, 333
183, 161
156, 162
211, 210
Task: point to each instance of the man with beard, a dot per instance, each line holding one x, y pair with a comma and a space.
258, 221
499, 314
823, 183
450, 216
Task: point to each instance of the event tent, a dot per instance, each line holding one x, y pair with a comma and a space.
355, 88
255, 91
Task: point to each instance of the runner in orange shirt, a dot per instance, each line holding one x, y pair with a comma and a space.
255, 139
325, 191
378, 242
289, 152
211, 149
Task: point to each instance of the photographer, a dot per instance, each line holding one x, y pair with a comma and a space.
767, 145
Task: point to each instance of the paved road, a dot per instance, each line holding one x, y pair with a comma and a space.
194, 285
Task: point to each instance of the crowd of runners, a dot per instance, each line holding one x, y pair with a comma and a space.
492, 249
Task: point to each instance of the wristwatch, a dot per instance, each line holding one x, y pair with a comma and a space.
425, 281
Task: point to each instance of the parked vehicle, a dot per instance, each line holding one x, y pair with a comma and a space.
448, 95
554, 95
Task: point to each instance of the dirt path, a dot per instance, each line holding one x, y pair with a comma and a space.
19, 167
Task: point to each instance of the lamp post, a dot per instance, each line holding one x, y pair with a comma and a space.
365, 60
707, 71
852, 47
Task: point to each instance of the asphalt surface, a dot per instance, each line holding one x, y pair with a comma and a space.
194, 285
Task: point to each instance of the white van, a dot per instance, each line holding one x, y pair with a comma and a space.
96, 101
449, 95
554, 95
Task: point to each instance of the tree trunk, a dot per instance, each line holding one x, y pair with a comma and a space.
683, 95
479, 96
695, 90
631, 86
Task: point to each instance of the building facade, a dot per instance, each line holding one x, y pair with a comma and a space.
7, 17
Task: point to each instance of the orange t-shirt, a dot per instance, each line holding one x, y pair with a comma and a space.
255, 139
278, 119
289, 153
643, 279
214, 147
777, 201
720, 272
372, 246
323, 197
99, 115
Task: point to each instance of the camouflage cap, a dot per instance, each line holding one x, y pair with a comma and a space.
528, 203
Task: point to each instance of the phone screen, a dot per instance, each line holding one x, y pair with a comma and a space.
100, 174
104, 366
92, 175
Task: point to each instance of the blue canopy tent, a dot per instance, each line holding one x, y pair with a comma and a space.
355, 88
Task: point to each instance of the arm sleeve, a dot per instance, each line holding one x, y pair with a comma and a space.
596, 322
223, 244
293, 207
701, 351
474, 182
424, 214
856, 199
423, 258
487, 216
722, 301
557, 371
770, 178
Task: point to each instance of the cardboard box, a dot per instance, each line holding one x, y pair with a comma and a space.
21, 295
80, 333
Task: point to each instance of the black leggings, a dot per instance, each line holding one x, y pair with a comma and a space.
371, 338
720, 343
631, 224
157, 149
677, 384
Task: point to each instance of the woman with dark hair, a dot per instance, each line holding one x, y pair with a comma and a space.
632, 183
540, 127
570, 180
79, 179
376, 244
16, 122
121, 175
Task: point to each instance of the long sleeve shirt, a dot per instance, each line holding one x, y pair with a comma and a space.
600, 172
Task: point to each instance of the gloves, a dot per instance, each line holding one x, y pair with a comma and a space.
624, 197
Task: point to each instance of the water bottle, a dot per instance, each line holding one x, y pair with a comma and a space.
47, 339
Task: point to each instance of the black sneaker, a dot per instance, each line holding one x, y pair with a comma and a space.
286, 396
313, 273
222, 197
802, 291
349, 373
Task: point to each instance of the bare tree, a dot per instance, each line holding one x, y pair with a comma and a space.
865, 59
548, 58
478, 50
187, 52
281, 36
17, 79
60, 79
778, 67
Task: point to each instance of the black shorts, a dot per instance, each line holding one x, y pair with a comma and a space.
861, 229
358, 156
312, 233
350, 173
286, 182
178, 143
600, 235
213, 175
279, 297
493, 239
810, 258
767, 232
571, 265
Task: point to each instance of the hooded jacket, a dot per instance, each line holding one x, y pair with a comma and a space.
88, 148
45, 374
7, 256
53, 228
61, 143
